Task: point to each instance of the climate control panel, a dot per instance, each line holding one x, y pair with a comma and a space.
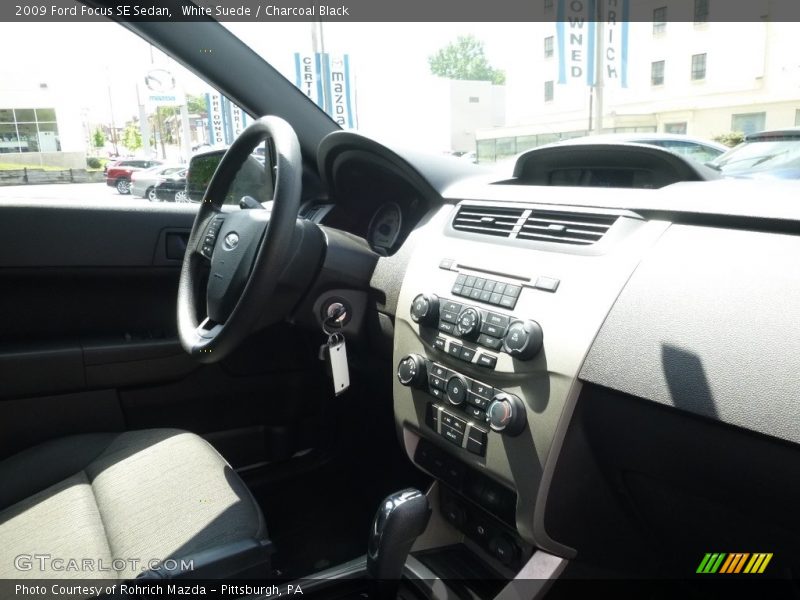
467, 409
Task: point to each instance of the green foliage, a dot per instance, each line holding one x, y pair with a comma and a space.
465, 59
733, 138
132, 138
196, 104
92, 162
98, 138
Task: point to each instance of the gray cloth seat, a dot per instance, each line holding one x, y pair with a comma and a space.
125, 501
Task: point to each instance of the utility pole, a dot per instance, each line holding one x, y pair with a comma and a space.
598, 73
318, 47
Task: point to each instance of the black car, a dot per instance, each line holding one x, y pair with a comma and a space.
172, 188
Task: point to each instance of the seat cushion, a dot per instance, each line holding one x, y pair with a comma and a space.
123, 500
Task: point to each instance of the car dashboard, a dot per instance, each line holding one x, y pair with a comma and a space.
553, 346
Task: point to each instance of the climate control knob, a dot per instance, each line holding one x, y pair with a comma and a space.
506, 413
468, 324
457, 389
412, 371
523, 340
425, 309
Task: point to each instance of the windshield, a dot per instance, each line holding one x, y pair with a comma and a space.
488, 91
761, 156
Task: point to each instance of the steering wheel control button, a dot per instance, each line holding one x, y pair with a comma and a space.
507, 414
411, 371
487, 360
523, 340
547, 284
456, 390
425, 309
469, 323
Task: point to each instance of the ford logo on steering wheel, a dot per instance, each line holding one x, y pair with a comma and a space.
231, 241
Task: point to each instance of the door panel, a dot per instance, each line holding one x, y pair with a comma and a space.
89, 342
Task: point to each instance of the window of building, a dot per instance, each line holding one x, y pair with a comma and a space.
548, 91
660, 19
28, 130
657, 73
701, 11
548, 46
749, 122
474, 99
698, 67
675, 127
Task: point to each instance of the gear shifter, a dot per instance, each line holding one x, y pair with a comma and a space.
400, 519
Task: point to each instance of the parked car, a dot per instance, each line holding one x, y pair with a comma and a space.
171, 188
774, 154
143, 183
119, 176
697, 149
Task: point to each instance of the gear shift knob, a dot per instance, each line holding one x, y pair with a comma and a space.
400, 519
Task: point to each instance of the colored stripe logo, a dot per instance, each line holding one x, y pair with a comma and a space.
734, 562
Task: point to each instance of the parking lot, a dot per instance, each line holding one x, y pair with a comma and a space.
63, 191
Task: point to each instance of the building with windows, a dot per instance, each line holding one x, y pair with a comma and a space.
39, 126
701, 78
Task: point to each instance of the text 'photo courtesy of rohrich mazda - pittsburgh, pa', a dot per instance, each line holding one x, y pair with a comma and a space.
380, 300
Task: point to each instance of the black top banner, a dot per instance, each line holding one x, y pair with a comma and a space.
698, 11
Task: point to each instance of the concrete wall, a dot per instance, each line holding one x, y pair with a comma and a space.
474, 105
66, 160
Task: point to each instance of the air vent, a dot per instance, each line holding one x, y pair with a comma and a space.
565, 228
487, 220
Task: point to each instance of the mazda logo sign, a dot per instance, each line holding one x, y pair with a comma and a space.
231, 241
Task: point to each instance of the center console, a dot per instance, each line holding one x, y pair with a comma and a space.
490, 333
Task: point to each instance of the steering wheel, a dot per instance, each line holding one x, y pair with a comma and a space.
243, 251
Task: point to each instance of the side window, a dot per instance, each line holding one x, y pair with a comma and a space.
64, 121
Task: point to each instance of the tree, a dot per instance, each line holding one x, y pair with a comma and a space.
196, 105
98, 138
465, 59
132, 138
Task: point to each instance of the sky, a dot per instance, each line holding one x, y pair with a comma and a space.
391, 82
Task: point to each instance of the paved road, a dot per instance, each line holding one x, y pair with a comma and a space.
63, 191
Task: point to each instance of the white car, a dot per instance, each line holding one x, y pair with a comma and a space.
143, 183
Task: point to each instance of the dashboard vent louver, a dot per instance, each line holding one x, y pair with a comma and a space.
487, 220
580, 229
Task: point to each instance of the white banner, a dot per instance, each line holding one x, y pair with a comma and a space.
335, 93
216, 130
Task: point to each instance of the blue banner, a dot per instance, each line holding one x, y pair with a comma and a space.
580, 38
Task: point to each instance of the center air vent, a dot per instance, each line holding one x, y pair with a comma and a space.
565, 228
488, 220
